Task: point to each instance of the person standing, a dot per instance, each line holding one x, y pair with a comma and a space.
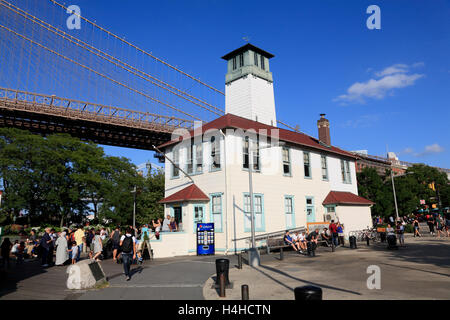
340, 231
115, 237
45, 247
157, 227
51, 248
62, 252
439, 226
5, 250
400, 233
79, 234
128, 245
334, 234
166, 224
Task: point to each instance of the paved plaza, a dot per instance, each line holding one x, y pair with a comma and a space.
418, 271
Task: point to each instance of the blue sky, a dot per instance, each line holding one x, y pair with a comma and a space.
388, 87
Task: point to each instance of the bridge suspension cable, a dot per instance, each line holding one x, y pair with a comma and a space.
140, 50
121, 64
98, 73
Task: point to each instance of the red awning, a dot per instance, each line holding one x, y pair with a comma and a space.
340, 197
191, 193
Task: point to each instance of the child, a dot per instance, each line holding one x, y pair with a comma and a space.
74, 252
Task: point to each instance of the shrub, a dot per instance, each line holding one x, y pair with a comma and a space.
409, 228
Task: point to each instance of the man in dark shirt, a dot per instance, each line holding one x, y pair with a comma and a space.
45, 246
312, 242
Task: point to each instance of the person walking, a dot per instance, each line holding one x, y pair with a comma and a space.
5, 251
62, 252
440, 226
416, 228
128, 245
115, 237
98, 245
430, 223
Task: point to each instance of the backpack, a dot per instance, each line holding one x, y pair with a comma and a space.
127, 244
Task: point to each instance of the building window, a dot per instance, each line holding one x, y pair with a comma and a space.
306, 164
190, 159
345, 171
199, 158
215, 154
176, 161
256, 59
241, 60
289, 211
258, 210
263, 66
194, 161
234, 63
286, 162
199, 215
323, 160
246, 153
216, 211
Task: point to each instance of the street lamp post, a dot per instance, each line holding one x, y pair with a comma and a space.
395, 197
393, 188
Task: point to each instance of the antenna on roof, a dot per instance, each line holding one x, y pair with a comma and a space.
246, 39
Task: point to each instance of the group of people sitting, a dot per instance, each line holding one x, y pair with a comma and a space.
307, 242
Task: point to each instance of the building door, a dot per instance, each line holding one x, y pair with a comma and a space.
177, 213
199, 215
310, 212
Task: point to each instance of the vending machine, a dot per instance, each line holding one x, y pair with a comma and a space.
205, 239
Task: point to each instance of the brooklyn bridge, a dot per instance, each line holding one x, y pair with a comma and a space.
91, 83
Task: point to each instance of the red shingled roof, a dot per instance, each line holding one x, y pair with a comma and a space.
340, 197
236, 122
191, 193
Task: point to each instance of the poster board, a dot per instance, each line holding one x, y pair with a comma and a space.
311, 226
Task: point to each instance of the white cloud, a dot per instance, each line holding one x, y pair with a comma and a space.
364, 121
434, 148
394, 77
430, 149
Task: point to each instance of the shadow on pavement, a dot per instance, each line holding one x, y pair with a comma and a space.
301, 280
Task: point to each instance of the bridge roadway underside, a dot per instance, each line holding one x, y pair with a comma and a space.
106, 134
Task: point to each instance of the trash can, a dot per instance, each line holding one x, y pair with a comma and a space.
306, 293
311, 249
222, 267
352, 240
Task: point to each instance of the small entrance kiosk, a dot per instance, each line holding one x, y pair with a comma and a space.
205, 239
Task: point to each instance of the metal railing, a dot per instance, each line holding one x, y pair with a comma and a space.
18, 100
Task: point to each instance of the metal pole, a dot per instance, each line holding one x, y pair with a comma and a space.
222, 285
244, 291
395, 197
250, 185
134, 209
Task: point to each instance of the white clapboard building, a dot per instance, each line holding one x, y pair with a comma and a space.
297, 179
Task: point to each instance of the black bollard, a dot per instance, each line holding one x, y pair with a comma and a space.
368, 240
240, 261
281, 254
222, 285
352, 240
306, 293
244, 291
222, 267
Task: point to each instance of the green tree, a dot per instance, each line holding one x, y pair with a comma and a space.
373, 187
148, 207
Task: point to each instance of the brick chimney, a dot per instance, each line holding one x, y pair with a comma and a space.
324, 129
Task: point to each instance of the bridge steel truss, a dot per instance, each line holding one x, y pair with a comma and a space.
47, 114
